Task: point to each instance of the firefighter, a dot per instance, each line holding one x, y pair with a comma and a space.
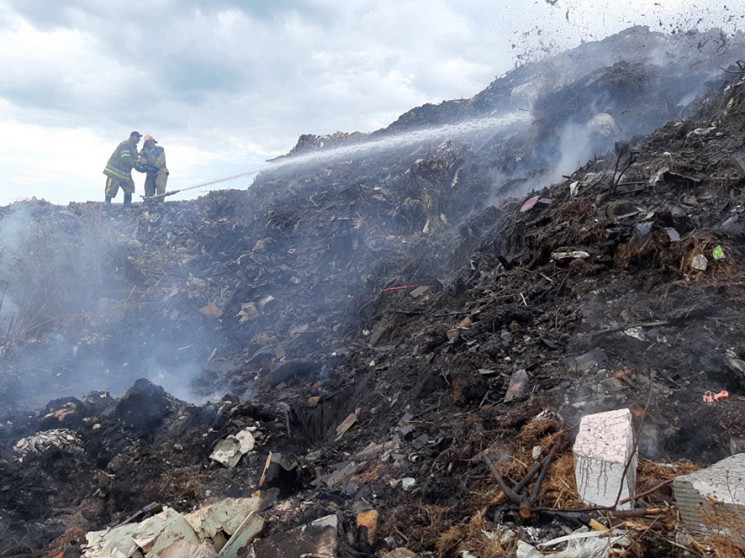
153, 160
118, 170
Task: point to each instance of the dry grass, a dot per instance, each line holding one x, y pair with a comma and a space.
676, 257
725, 548
560, 487
572, 223
651, 473
419, 525
477, 537
184, 484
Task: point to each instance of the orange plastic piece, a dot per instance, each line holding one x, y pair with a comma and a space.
711, 397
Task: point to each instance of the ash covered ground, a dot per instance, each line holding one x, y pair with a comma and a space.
365, 304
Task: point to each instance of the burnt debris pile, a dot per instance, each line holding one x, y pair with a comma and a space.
440, 339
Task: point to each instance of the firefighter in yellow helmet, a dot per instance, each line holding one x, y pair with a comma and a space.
118, 170
153, 160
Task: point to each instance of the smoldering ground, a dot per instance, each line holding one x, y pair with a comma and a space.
318, 259
93, 300
72, 319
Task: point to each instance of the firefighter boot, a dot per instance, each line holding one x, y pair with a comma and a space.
127, 199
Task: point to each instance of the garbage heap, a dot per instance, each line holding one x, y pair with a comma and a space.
365, 357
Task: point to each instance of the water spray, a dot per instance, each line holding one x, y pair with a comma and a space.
203, 184
464, 128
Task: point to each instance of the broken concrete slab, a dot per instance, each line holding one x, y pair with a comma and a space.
243, 536
205, 550
227, 515
165, 535
604, 445
169, 534
712, 501
230, 450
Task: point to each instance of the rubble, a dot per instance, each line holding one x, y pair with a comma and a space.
166, 534
169, 534
59, 439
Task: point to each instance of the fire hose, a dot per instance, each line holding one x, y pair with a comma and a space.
201, 185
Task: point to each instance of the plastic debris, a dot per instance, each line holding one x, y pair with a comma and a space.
407, 483
700, 262
529, 204
574, 254
642, 230
718, 253
392, 289
211, 310
711, 397
419, 291
59, 439
672, 234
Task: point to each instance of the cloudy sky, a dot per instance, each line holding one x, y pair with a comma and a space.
226, 84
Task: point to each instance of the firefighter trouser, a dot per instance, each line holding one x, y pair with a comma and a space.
113, 184
155, 183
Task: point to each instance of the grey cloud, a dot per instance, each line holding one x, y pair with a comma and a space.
39, 92
45, 14
192, 78
191, 65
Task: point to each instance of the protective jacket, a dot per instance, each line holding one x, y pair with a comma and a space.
154, 157
122, 161
154, 160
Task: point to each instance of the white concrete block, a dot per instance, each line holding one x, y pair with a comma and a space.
603, 447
